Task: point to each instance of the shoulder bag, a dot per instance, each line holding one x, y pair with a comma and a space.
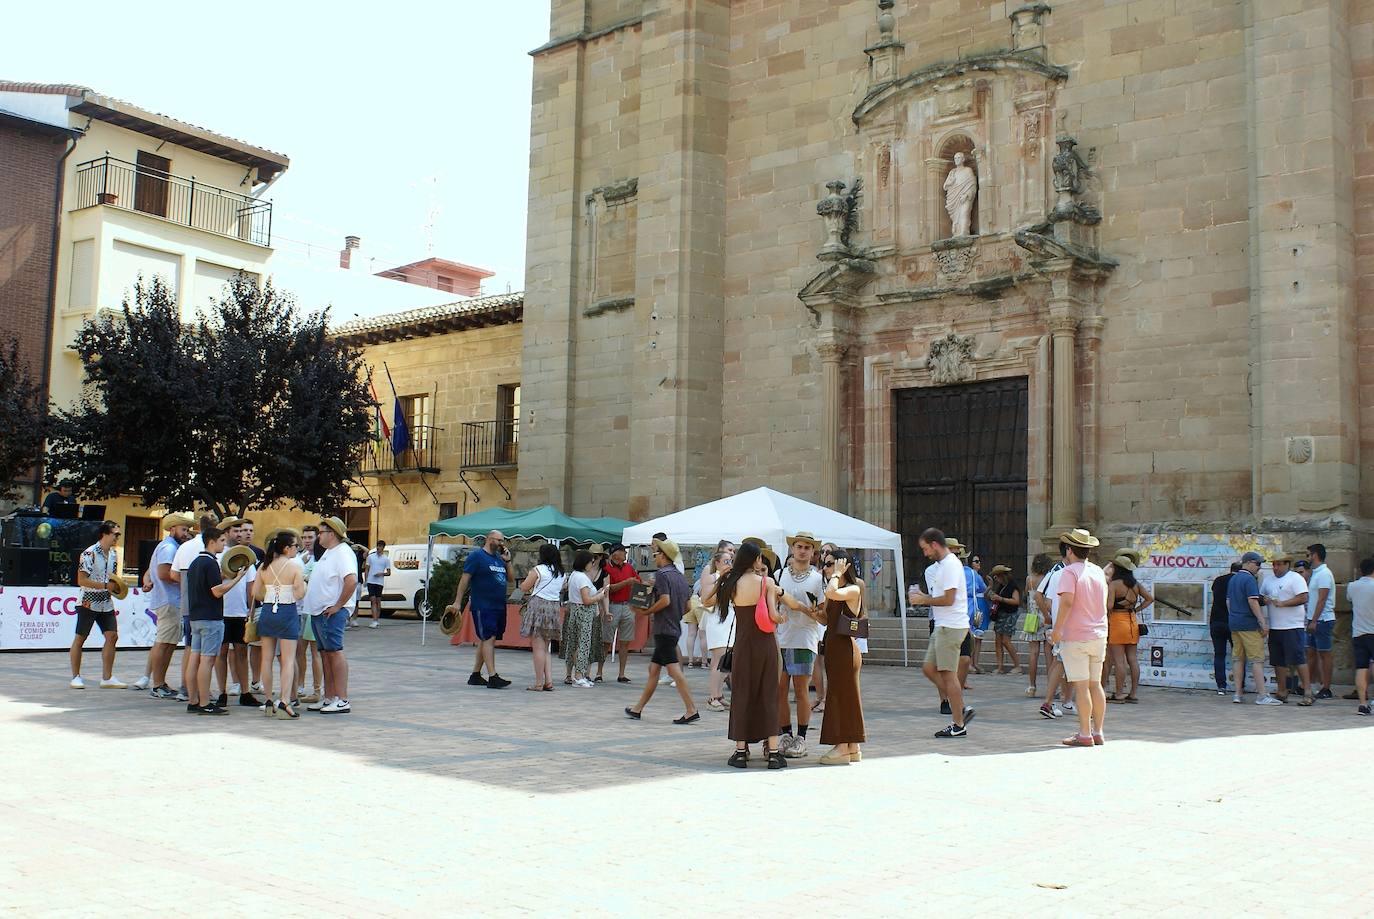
727, 660
761, 618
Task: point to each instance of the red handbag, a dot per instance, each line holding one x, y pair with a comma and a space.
761, 617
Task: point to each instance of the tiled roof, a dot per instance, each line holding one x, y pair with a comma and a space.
434, 320
126, 114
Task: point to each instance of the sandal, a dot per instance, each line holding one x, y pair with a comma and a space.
739, 759
819, 706
567, 681
548, 687
1111, 697
622, 679
597, 680
534, 689
1131, 699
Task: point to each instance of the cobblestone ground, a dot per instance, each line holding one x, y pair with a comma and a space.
434, 798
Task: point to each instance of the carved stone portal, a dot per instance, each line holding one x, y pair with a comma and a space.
951, 359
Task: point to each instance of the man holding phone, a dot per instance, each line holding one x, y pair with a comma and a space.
799, 591
487, 570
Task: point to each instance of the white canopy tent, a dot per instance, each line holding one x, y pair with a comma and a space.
772, 516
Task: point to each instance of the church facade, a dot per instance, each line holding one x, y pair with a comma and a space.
999, 267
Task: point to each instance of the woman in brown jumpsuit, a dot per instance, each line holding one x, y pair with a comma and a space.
844, 714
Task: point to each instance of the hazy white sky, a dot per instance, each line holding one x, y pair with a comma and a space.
388, 111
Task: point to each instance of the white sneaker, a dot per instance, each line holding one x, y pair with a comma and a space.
234, 689
113, 682
1070, 707
1267, 699
373, 625
336, 707
1237, 699
77, 683
583, 682
785, 743
796, 749
1056, 711
142, 683
319, 706
256, 687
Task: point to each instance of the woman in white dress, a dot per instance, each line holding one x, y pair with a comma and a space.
719, 629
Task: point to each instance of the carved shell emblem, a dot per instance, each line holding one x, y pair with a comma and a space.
1299, 450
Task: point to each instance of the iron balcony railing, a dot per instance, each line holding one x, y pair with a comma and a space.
490, 444
422, 455
117, 183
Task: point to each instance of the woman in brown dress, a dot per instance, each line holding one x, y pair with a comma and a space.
843, 725
756, 661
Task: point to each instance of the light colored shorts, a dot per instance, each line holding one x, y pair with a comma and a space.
622, 624
1247, 646
168, 624
207, 635
798, 661
944, 646
1083, 659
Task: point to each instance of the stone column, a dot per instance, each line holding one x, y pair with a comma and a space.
934, 197
832, 456
1064, 495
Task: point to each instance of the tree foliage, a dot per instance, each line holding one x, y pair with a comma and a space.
250, 405
22, 420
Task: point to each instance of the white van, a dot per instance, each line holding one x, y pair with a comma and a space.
404, 589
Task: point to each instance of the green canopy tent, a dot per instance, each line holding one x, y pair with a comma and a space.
546, 522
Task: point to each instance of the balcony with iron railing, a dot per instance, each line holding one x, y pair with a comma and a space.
116, 183
421, 455
490, 444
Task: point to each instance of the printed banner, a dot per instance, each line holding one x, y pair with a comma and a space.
45, 617
1178, 569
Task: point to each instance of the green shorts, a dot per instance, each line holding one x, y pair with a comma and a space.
798, 661
307, 630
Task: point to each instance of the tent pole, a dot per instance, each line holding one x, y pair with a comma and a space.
901, 607
429, 560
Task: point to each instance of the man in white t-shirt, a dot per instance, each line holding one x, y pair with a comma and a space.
378, 570
1046, 597
233, 654
1321, 620
1361, 594
800, 591
1285, 597
328, 598
948, 602
187, 553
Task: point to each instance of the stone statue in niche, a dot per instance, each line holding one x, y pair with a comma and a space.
961, 187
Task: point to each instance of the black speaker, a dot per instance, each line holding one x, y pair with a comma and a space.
21, 567
146, 548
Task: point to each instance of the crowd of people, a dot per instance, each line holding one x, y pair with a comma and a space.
771, 631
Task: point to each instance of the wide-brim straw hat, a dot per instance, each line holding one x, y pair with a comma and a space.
177, 520
1124, 562
597, 548
1080, 538
1000, 569
804, 536
955, 546
277, 531
235, 560
1282, 557
668, 548
451, 622
337, 525
765, 550
1134, 555
229, 522
120, 590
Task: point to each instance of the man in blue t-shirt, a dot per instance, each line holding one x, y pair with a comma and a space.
487, 571
1249, 626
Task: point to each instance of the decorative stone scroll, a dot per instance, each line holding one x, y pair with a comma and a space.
951, 359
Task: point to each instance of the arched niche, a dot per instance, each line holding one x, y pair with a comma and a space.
956, 142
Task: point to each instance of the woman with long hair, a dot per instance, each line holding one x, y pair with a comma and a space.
541, 618
279, 585
825, 562
1039, 639
581, 643
1125, 600
843, 724
748, 592
718, 623
1005, 597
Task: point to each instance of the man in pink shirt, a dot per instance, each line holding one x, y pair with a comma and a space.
1080, 630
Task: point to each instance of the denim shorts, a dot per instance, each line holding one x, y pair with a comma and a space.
1320, 638
329, 630
206, 636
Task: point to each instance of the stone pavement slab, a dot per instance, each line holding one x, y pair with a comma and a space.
435, 798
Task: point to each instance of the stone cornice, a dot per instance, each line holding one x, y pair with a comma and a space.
992, 62
585, 35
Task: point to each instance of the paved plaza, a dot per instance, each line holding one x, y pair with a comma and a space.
434, 798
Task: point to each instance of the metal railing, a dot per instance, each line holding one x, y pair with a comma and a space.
132, 187
422, 455
490, 444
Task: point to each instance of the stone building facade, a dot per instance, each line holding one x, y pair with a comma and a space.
1156, 319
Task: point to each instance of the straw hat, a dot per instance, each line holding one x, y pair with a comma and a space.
451, 622
1282, 557
1080, 538
597, 548
235, 560
668, 548
804, 536
337, 525
1124, 562
765, 550
120, 590
955, 546
1000, 569
1135, 555
230, 522
177, 520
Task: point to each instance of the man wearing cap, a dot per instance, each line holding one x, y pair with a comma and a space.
620, 575
1321, 619
204, 587
165, 601
1081, 631
948, 602
1249, 627
488, 572
800, 589
237, 607
96, 575
1285, 598
328, 597
671, 595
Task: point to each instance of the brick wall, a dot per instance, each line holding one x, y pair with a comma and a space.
28, 176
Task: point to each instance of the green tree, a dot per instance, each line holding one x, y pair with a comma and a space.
251, 405
22, 419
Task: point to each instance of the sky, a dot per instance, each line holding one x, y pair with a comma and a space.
395, 116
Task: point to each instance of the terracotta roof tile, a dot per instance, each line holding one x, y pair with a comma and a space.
430, 320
